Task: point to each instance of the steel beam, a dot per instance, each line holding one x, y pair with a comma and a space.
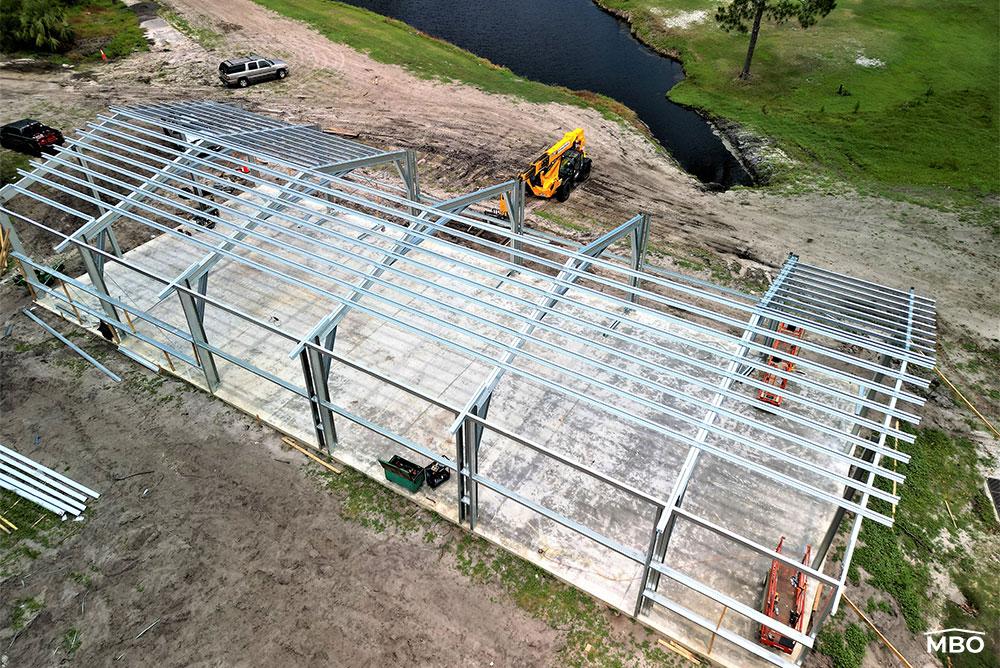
108, 218
201, 267
411, 240
563, 282
708, 421
655, 298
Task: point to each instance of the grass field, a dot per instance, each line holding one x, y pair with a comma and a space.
921, 123
390, 41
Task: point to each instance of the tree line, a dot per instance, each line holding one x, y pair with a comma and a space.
35, 25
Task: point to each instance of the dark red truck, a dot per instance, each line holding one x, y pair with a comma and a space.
30, 136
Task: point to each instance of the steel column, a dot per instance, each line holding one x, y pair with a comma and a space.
94, 264
194, 313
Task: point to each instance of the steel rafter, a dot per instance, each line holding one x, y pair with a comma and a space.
284, 199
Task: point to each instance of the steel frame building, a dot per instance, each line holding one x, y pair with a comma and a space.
672, 358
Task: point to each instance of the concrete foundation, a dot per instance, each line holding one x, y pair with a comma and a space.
729, 495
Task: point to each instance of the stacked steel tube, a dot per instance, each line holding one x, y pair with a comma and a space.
41, 485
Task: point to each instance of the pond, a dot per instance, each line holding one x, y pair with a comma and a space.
576, 44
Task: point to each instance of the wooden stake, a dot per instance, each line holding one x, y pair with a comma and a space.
4, 520
131, 325
292, 444
3, 250
170, 362
128, 319
885, 641
948, 506
711, 642
27, 283
71, 303
679, 650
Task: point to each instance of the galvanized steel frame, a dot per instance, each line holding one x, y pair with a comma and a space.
307, 167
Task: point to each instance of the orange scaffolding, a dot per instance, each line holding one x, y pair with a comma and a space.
785, 600
783, 365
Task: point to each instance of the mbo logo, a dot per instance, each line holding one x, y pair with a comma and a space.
954, 641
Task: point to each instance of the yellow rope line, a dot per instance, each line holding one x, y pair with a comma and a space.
881, 636
968, 403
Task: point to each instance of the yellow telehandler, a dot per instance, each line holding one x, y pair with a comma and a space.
559, 170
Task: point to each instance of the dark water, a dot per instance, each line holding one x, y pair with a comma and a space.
575, 44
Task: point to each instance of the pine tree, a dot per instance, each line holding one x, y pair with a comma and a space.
737, 14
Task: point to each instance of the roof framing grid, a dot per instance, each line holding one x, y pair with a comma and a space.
677, 359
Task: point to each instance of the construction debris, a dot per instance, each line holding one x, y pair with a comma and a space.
292, 444
41, 485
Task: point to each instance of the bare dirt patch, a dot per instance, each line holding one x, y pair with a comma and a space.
209, 528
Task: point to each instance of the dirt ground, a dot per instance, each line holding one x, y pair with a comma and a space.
219, 536
226, 532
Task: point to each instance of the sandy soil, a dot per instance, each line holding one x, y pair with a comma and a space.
221, 537
231, 535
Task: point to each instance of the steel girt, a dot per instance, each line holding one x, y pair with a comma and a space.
687, 470
840, 336
832, 354
226, 222
665, 370
691, 379
761, 366
738, 640
627, 554
644, 422
485, 391
856, 529
774, 475
134, 310
72, 346
539, 253
400, 248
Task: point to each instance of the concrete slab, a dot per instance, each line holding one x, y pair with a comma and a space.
421, 354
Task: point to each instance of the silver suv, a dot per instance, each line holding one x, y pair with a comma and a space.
244, 71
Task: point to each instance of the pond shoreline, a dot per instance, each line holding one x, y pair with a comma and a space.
733, 136
611, 62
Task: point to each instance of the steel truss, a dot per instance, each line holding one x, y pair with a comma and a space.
531, 306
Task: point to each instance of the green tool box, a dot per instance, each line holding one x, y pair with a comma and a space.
403, 472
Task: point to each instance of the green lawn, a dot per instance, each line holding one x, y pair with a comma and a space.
923, 125
390, 41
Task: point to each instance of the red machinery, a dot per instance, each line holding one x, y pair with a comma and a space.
783, 365
784, 600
